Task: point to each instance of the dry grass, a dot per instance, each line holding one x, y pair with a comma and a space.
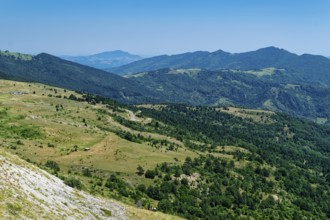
257, 115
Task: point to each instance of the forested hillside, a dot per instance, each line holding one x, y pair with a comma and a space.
51, 70
309, 67
191, 161
281, 164
270, 88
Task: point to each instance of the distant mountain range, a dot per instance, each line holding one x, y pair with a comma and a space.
310, 67
268, 78
48, 69
105, 60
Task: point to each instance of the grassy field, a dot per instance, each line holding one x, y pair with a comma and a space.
66, 132
39, 123
262, 116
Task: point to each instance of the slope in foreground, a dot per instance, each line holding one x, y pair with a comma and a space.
29, 192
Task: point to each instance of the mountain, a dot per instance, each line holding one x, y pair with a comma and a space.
270, 88
276, 89
191, 161
48, 69
105, 60
310, 67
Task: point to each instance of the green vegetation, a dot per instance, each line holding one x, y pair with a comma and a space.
269, 78
272, 89
107, 213
210, 187
13, 209
73, 182
8, 129
28, 193
191, 161
48, 69
305, 67
52, 165
286, 168
82, 141
15, 55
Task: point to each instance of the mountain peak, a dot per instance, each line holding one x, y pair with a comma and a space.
104, 60
113, 53
44, 55
272, 49
220, 52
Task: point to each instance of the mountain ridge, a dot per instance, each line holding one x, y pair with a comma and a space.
52, 70
297, 91
270, 88
312, 67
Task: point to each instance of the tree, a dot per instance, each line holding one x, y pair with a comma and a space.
140, 170
52, 165
165, 205
73, 182
141, 188
150, 174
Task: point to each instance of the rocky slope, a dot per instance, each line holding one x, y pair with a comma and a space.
24, 187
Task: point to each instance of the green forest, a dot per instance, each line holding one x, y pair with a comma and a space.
280, 169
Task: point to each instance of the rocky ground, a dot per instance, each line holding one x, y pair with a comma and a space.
27, 192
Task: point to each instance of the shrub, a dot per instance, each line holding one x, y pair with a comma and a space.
52, 165
73, 182
150, 174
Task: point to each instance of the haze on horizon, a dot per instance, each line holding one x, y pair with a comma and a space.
146, 27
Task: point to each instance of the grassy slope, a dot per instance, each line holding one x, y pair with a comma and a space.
27, 188
65, 128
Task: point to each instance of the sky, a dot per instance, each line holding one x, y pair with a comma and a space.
153, 27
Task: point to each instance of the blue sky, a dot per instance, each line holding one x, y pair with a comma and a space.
152, 27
